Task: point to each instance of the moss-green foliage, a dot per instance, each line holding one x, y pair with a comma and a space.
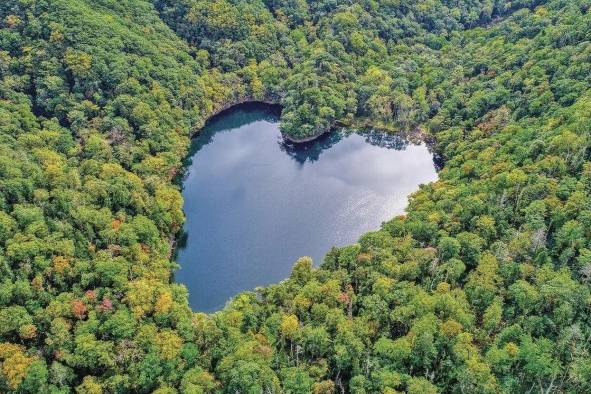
331, 61
482, 287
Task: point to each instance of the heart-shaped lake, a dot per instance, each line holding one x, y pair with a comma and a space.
255, 203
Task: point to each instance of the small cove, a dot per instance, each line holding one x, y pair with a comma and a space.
254, 203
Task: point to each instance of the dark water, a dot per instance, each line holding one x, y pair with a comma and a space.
254, 204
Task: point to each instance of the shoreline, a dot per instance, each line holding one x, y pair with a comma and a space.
305, 139
415, 134
358, 124
219, 110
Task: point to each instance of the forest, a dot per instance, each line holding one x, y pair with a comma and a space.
483, 286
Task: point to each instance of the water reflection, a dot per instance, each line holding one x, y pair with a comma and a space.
255, 203
244, 114
309, 151
234, 118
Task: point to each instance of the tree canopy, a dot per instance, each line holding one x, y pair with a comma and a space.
482, 287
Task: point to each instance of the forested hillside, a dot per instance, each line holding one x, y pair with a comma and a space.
335, 61
483, 287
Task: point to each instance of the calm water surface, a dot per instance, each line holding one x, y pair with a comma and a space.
254, 203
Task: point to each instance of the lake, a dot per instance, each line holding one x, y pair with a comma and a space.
254, 203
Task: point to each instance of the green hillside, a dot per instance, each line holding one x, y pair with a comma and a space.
483, 287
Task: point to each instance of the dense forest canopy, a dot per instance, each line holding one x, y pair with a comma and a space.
483, 287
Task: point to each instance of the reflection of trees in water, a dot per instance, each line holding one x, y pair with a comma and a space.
438, 160
181, 242
244, 114
241, 115
311, 151
401, 142
228, 120
385, 140
233, 118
